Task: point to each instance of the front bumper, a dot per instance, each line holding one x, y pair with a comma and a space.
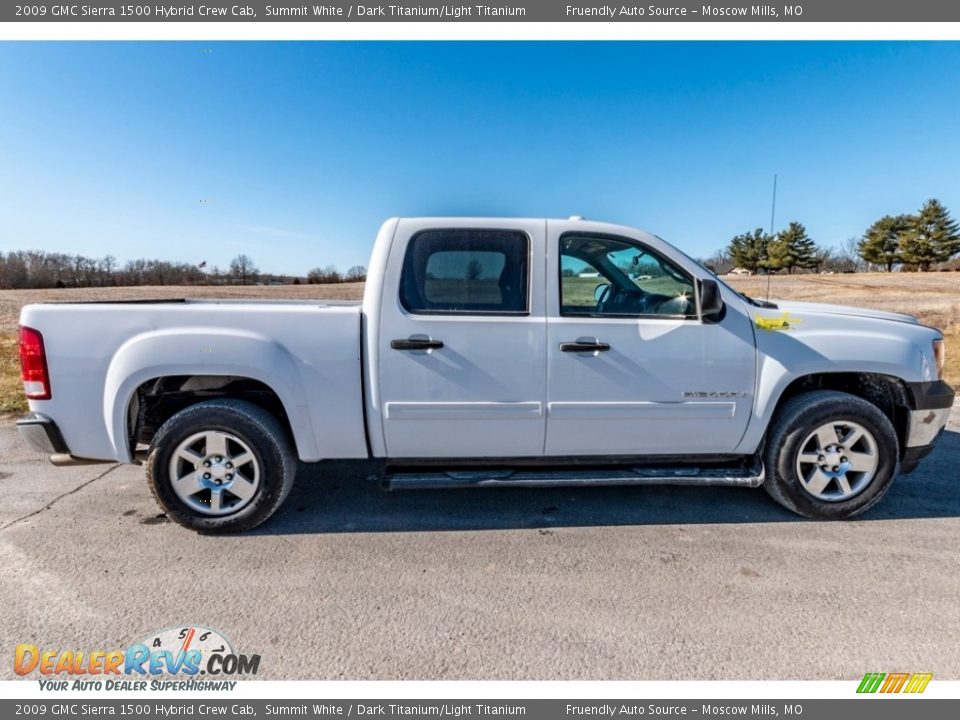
926, 426
932, 404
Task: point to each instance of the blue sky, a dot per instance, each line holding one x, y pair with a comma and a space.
294, 153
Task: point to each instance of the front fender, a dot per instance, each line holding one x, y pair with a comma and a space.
813, 345
203, 351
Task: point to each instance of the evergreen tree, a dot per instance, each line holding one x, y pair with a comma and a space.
931, 236
749, 250
793, 248
880, 244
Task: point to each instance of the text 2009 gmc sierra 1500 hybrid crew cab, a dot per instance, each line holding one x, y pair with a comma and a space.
491, 352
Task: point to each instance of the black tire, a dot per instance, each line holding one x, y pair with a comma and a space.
795, 421
265, 438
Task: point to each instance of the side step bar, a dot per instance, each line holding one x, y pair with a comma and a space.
742, 477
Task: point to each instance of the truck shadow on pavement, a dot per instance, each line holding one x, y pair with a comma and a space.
341, 497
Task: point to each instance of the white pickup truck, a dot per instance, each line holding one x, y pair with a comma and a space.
491, 352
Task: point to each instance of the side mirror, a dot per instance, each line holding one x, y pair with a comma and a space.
711, 303
599, 291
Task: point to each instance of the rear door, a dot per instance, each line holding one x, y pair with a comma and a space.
632, 368
462, 354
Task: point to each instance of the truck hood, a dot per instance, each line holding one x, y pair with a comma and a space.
804, 308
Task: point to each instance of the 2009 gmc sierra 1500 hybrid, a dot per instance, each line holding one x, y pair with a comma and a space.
491, 352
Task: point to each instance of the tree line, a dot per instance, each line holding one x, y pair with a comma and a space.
919, 241
25, 269
928, 237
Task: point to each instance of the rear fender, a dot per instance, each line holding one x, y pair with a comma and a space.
203, 351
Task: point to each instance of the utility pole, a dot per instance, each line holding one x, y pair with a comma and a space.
773, 213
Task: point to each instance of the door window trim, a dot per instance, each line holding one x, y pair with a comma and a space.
623, 316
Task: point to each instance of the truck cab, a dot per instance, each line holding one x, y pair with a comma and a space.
554, 338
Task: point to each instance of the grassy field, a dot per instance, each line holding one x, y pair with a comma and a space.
579, 292
933, 297
11, 392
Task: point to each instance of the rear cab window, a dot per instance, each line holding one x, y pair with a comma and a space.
465, 271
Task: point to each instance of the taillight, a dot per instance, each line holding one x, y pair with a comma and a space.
33, 365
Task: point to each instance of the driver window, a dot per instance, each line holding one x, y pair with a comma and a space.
610, 276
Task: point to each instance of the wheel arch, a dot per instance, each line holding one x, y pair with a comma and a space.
197, 364
157, 400
887, 393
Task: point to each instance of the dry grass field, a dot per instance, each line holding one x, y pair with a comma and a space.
933, 297
11, 395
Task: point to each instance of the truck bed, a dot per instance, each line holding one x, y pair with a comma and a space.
101, 353
211, 301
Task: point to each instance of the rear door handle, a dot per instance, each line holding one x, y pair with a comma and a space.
416, 344
584, 346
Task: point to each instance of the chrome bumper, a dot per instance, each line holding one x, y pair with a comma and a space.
925, 426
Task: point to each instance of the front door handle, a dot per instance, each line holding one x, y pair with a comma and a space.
416, 344
579, 346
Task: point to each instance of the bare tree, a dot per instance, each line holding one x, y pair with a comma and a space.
90, 272
357, 273
847, 257
324, 275
719, 262
243, 269
106, 267
823, 257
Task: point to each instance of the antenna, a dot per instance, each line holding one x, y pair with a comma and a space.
773, 214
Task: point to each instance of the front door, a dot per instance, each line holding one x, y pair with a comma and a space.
632, 368
462, 349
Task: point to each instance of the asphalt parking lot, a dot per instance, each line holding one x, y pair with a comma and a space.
349, 582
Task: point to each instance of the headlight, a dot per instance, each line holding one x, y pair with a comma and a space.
939, 356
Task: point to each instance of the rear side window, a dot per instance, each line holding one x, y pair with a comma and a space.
466, 271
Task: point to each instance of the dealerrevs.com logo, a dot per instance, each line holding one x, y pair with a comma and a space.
189, 653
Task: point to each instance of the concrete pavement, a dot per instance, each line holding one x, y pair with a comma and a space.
349, 582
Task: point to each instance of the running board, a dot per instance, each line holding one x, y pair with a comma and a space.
742, 477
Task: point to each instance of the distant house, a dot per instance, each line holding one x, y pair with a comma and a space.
589, 274
718, 266
740, 271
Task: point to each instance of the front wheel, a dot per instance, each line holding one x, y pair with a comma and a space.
221, 466
830, 455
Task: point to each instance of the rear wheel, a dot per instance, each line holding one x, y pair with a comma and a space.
221, 466
830, 455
